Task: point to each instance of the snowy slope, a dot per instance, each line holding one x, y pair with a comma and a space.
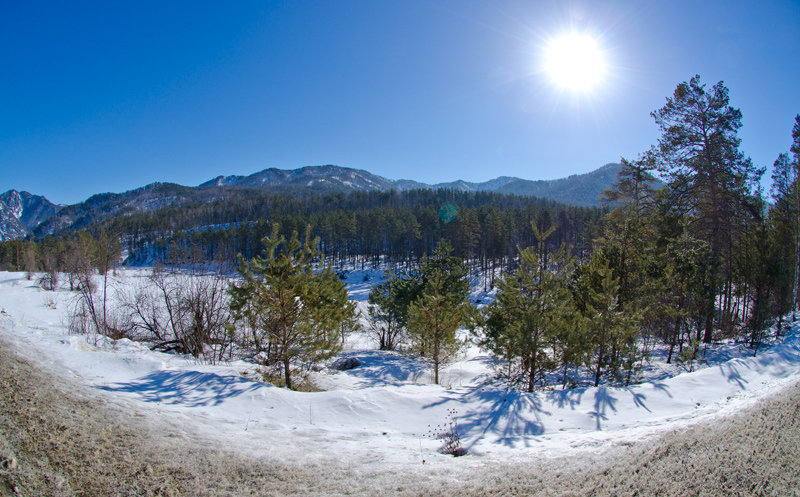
580, 189
379, 413
20, 212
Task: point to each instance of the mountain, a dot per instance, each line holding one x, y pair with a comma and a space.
20, 212
579, 189
145, 199
314, 179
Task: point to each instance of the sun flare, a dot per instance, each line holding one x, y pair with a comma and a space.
574, 62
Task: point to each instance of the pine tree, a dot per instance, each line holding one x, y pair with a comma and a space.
699, 151
440, 306
433, 320
613, 327
299, 309
785, 216
531, 309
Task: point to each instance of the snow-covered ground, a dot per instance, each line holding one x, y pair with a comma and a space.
381, 413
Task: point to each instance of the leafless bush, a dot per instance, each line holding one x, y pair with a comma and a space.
448, 434
77, 258
92, 314
48, 280
383, 329
183, 310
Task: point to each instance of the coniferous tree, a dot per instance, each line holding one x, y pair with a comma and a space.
440, 306
531, 310
433, 320
699, 151
612, 333
388, 310
300, 310
785, 216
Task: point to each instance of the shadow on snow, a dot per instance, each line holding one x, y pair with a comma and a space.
188, 388
512, 417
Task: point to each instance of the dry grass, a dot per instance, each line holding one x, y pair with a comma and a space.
58, 438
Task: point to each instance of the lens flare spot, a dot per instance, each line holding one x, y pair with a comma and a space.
448, 213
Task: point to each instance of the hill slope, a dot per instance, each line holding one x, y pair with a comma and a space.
20, 212
579, 189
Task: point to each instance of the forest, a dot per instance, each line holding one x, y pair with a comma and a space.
688, 250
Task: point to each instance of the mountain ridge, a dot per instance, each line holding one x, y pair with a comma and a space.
41, 217
337, 179
20, 212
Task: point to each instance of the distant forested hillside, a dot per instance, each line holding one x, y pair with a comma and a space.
367, 227
402, 226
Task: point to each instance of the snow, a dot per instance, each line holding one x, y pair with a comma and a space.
381, 412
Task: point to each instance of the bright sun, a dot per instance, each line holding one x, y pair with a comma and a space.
574, 62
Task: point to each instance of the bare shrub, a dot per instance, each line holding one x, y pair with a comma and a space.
48, 280
51, 302
384, 330
183, 310
77, 258
448, 434
92, 314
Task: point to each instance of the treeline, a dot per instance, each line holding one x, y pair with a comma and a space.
365, 227
49, 257
398, 228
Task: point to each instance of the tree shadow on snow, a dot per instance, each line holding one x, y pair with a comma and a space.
188, 388
386, 368
603, 402
730, 371
564, 398
639, 398
513, 417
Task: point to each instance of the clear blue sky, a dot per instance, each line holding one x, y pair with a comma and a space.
109, 96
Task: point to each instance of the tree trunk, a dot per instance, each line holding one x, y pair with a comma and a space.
287, 371
599, 367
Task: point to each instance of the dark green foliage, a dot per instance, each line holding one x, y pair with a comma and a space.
785, 219
532, 312
613, 325
362, 227
440, 308
709, 175
388, 309
298, 310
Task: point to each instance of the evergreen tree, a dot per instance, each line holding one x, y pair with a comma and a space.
785, 216
433, 320
531, 310
440, 305
699, 151
388, 310
300, 310
613, 328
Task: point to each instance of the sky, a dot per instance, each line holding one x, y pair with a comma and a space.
109, 96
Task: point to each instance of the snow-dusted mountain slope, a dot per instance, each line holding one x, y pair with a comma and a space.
581, 189
20, 212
